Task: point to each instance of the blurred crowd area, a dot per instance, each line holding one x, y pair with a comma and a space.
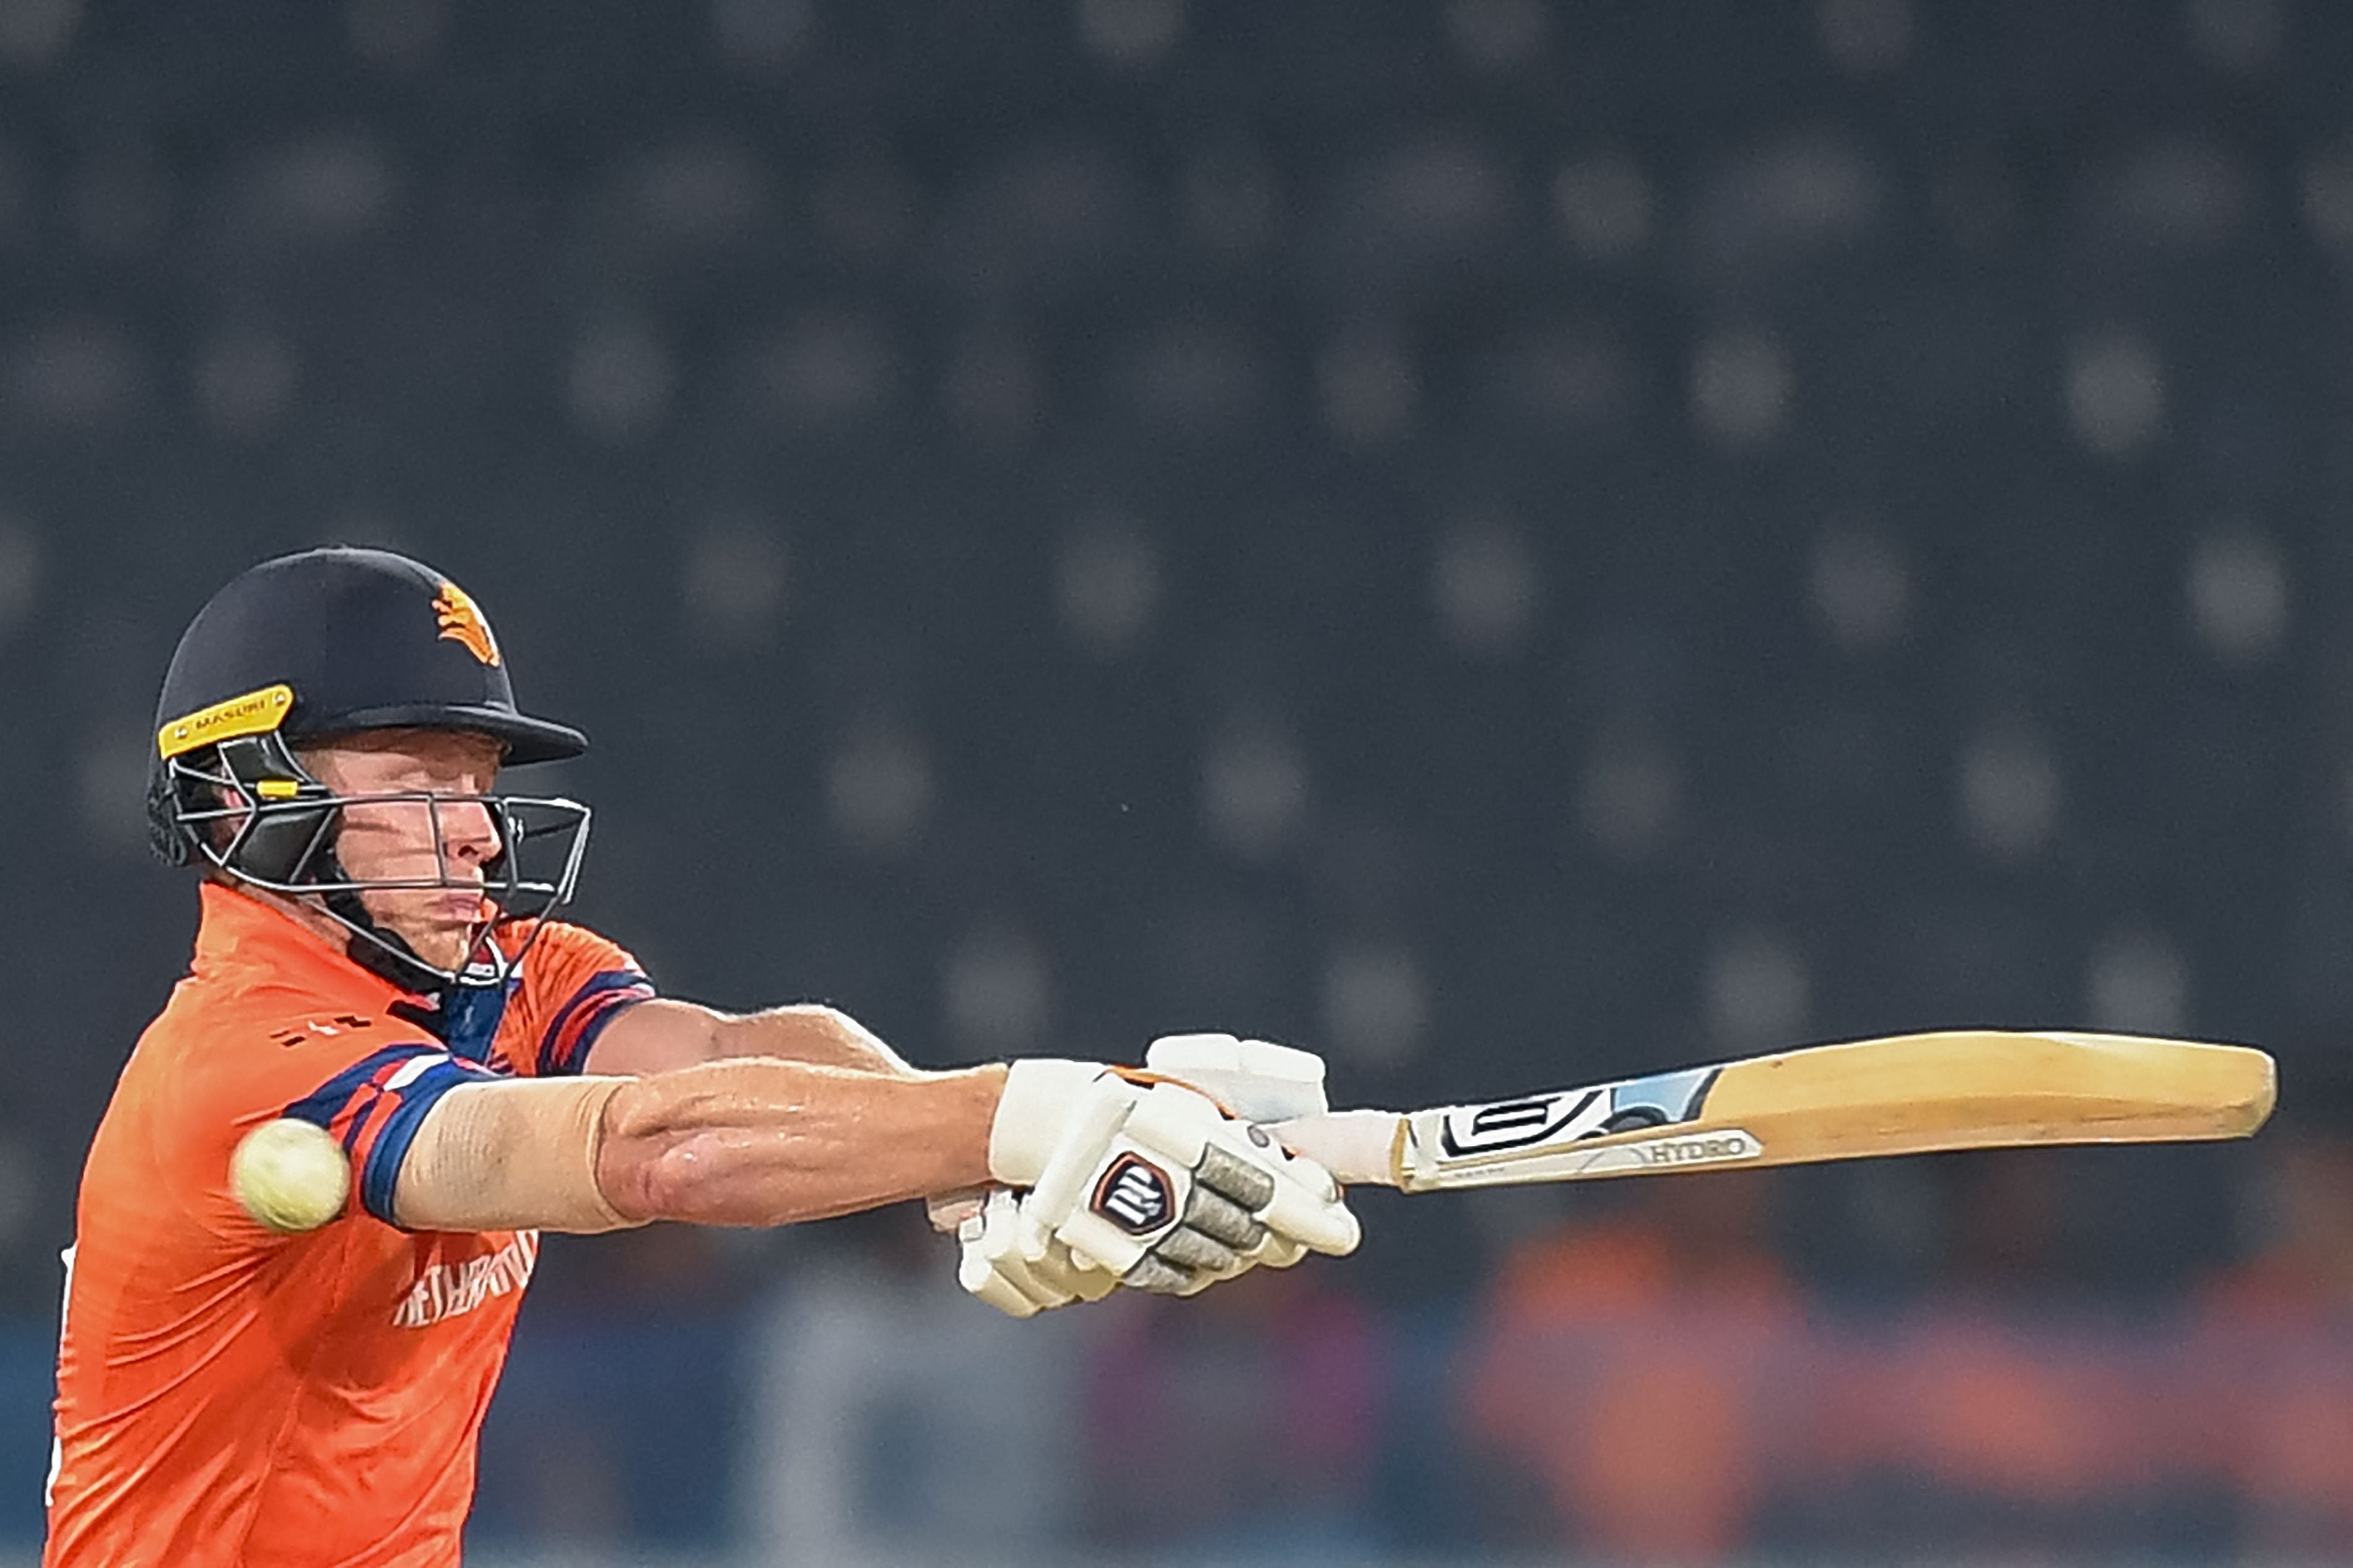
1511, 542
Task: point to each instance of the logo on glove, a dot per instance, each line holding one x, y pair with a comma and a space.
1135, 1195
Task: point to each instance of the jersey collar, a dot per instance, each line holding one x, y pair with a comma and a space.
239, 932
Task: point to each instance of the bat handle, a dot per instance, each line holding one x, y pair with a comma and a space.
1358, 1147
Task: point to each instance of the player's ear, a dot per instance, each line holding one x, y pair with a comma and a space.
238, 805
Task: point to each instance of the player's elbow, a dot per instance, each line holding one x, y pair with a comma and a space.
662, 1159
653, 1177
635, 1171
706, 1176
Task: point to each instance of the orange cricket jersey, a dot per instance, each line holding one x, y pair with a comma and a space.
229, 1396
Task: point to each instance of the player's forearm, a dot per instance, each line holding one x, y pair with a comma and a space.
759, 1141
664, 1035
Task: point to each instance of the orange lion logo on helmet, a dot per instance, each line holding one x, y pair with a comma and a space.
461, 621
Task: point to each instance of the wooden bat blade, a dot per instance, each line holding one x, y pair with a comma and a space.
1906, 1094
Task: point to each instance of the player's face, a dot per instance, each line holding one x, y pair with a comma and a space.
412, 841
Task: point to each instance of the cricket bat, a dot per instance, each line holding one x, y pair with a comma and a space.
1906, 1094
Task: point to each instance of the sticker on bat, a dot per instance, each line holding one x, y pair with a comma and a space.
1687, 1149
1661, 1100
1574, 1162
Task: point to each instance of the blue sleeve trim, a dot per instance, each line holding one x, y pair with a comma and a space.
381, 1174
326, 1104
575, 1061
564, 1046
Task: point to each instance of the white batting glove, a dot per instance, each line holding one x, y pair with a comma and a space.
1153, 1183
1258, 1081
990, 1264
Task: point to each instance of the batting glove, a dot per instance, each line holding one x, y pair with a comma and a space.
1148, 1182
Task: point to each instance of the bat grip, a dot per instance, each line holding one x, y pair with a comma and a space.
1358, 1147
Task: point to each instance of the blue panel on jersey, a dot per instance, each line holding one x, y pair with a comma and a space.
564, 1047
576, 1059
381, 1174
470, 1017
323, 1105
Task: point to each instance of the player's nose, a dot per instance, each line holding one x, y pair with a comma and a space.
469, 835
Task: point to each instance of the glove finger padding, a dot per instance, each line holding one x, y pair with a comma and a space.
1191, 1248
1249, 1185
1216, 1215
991, 1264
1281, 1252
1164, 1279
1307, 1207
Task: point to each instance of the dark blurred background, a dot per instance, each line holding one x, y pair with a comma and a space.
1507, 541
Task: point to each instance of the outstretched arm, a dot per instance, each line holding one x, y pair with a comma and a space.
662, 1035
764, 1141
750, 1141
1156, 1184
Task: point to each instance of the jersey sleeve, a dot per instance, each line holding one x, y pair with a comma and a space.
574, 984
374, 1107
368, 1082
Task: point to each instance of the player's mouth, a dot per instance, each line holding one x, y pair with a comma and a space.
459, 909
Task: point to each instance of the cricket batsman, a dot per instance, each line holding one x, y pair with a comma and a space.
307, 1218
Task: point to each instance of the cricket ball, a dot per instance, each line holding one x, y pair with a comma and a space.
291, 1176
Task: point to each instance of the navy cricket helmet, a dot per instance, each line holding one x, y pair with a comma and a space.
301, 649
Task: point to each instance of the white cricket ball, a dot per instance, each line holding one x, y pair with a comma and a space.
289, 1174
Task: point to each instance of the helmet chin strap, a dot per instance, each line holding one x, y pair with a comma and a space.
462, 1010
381, 952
